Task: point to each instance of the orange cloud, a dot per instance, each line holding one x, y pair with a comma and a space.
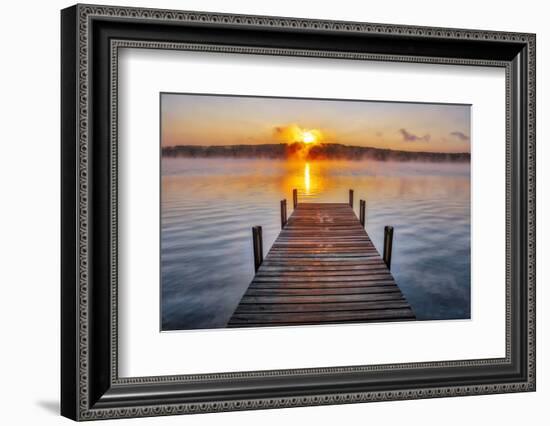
292, 133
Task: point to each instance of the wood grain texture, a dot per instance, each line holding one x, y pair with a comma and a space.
322, 269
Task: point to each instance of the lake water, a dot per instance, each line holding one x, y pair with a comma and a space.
210, 205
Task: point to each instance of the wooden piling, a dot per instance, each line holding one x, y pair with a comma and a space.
388, 243
362, 208
351, 198
258, 246
294, 198
283, 213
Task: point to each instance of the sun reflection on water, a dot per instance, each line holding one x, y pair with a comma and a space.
307, 179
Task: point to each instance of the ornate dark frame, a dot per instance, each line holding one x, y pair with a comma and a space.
90, 386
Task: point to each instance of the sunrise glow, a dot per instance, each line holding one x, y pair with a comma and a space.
211, 120
308, 137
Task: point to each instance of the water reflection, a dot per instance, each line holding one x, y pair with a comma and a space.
307, 179
209, 206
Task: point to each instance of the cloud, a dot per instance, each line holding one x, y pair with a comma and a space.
410, 137
290, 133
460, 136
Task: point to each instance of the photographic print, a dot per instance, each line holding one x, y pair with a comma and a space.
299, 211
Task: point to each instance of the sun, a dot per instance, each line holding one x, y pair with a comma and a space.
308, 137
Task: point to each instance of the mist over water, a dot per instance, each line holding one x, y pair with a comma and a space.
208, 207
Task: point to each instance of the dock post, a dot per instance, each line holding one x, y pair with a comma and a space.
294, 198
258, 245
362, 207
388, 243
351, 198
283, 213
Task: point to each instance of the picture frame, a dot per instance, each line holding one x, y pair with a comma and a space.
90, 384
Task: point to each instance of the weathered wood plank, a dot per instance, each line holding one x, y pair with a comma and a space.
314, 273
326, 270
321, 278
314, 285
322, 307
324, 256
278, 260
330, 291
322, 299
321, 317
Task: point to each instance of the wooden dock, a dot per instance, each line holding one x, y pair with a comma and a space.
322, 269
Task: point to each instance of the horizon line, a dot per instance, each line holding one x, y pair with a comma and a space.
317, 144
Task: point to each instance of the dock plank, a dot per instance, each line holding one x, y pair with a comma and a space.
322, 269
321, 307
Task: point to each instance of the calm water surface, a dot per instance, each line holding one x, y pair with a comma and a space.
210, 205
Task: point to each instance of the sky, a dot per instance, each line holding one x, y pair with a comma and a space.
196, 119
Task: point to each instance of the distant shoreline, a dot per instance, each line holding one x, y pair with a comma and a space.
316, 152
